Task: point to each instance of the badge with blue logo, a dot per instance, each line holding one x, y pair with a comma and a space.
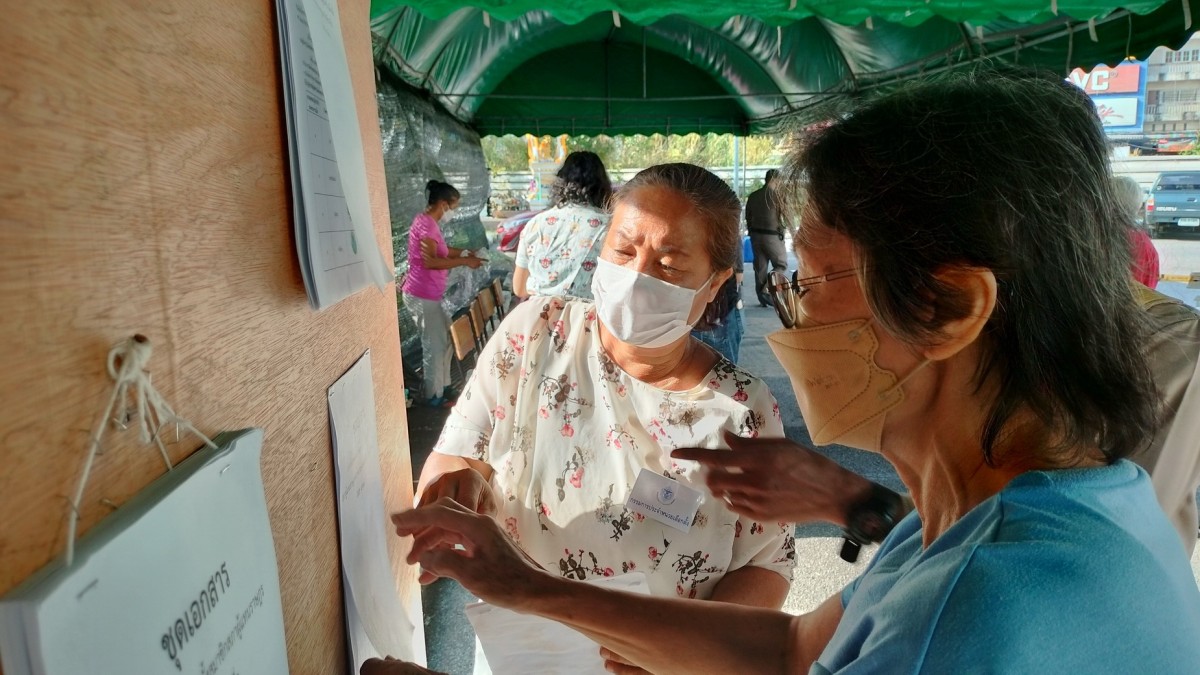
666, 496
664, 499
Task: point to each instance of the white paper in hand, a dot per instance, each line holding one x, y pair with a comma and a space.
518, 644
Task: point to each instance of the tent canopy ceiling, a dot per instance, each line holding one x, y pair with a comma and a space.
677, 66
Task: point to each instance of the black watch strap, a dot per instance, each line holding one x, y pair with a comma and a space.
869, 520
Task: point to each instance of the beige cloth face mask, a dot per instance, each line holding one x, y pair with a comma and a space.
843, 394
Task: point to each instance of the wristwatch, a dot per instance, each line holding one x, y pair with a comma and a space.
869, 520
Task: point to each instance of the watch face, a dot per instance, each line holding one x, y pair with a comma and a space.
874, 517
870, 523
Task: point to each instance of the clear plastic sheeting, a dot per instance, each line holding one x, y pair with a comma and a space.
421, 142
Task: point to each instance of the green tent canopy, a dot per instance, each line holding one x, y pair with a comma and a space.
675, 66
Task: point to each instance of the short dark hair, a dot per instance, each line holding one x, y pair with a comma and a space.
1005, 170
770, 176
714, 201
582, 180
440, 192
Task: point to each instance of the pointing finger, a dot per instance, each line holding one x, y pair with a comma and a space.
715, 458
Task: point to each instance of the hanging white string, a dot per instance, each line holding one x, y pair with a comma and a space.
616, 19
1092, 29
487, 20
1187, 14
1054, 7
127, 367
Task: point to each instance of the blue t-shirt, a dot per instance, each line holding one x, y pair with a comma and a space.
1073, 571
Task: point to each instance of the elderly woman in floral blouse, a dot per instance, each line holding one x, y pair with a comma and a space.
559, 246
576, 404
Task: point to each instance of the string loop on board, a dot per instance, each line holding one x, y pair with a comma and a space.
126, 365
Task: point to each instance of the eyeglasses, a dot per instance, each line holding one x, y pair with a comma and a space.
786, 292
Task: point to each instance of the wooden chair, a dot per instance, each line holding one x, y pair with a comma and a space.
487, 304
476, 315
498, 291
463, 337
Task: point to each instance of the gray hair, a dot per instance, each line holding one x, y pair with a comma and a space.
1128, 195
1004, 170
712, 199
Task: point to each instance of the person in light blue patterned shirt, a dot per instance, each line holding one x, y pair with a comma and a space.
559, 246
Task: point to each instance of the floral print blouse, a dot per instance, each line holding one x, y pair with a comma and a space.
567, 432
559, 247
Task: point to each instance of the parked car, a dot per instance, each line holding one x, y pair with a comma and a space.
1173, 206
508, 231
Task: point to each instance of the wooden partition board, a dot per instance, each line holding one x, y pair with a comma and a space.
145, 190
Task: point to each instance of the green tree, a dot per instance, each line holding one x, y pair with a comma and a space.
505, 153
508, 153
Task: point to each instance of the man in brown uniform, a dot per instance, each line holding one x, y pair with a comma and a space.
766, 236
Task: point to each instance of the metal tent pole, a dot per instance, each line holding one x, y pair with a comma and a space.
736, 143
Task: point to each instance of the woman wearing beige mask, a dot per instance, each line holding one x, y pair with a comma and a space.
955, 314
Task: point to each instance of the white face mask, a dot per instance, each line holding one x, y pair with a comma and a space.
639, 309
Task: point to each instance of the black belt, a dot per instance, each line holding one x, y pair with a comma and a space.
773, 233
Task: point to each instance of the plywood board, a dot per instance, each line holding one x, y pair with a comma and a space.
145, 191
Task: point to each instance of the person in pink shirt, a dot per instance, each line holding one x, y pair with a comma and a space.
429, 263
1145, 256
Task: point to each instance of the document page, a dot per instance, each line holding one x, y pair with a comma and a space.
377, 623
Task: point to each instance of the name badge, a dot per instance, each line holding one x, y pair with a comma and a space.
666, 500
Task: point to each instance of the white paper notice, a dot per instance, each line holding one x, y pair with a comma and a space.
335, 237
377, 623
180, 579
518, 644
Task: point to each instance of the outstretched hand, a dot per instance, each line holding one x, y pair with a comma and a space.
450, 540
774, 479
465, 486
615, 663
393, 666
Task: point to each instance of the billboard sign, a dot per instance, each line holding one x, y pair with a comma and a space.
1119, 94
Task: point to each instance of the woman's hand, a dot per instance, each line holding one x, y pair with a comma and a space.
774, 479
393, 666
450, 540
473, 262
615, 663
465, 486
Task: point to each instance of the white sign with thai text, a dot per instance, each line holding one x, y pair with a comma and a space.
181, 579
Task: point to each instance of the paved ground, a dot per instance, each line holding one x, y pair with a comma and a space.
1178, 256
